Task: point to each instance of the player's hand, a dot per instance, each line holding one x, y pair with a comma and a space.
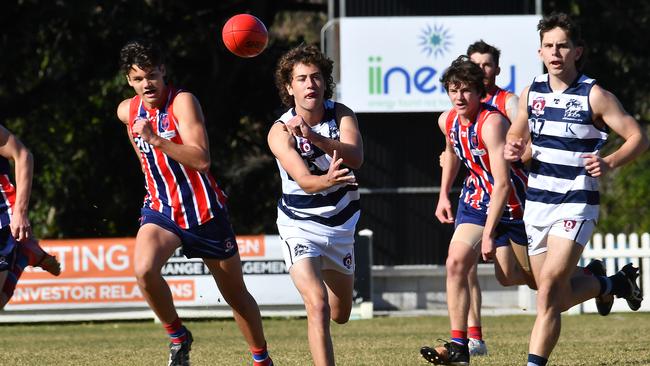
336, 175
595, 165
20, 227
298, 127
488, 247
442, 159
444, 213
514, 149
142, 127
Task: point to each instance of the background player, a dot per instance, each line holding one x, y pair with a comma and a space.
18, 248
487, 58
566, 115
316, 144
183, 205
490, 210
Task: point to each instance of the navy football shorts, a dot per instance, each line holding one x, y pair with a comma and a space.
506, 231
213, 240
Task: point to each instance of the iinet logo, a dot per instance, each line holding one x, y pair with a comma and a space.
420, 79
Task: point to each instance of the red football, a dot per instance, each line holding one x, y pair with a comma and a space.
245, 35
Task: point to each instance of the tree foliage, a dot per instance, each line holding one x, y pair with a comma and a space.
60, 86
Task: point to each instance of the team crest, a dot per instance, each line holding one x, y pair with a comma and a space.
569, 225
473, 145
300, 249
163, 123
347, 261
538, 106
473, 140
572, 109
305, 147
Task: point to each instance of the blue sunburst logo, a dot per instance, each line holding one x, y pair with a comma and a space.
435, 40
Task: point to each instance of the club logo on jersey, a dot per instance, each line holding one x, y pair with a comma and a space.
300, 249
569, 225
538, 106
305, 147
473, 145
573, 109
347, 261
163, 122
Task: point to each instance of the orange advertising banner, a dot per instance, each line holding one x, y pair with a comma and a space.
101, 271
113, 257
107, 291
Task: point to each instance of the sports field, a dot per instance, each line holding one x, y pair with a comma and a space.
618, 339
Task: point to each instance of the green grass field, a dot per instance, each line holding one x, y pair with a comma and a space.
618, 339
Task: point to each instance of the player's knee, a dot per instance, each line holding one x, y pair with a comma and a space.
317, 309
144, 274
456, 267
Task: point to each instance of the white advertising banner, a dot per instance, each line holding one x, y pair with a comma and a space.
394, 64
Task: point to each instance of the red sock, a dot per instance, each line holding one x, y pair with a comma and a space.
176, 331
459, 337
475, 332
261, 356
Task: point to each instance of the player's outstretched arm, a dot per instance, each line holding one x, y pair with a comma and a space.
518, 133
194, 153
281, 143
606, 107
12, 148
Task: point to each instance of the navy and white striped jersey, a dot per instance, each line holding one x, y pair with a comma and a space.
332, 212
562, 130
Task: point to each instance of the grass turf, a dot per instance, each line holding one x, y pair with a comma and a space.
618, 339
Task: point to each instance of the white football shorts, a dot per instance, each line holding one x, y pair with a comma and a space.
336, 253
577, 230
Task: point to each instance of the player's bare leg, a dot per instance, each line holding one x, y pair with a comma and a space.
460, 260
553, 271
340, 287
153, 247
508, 270
229, 278
477, 346
308, 279
474, 316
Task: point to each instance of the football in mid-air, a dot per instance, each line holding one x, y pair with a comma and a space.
245, 35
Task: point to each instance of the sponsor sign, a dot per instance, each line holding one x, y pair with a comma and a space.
394, 64
99, 273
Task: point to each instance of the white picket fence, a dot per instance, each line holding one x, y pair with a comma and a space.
616, 251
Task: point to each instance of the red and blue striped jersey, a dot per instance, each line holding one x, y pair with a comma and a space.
498, 100
188, 197
468, 145
8, 193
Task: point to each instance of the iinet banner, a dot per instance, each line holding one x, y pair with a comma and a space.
394, 64
99, 273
